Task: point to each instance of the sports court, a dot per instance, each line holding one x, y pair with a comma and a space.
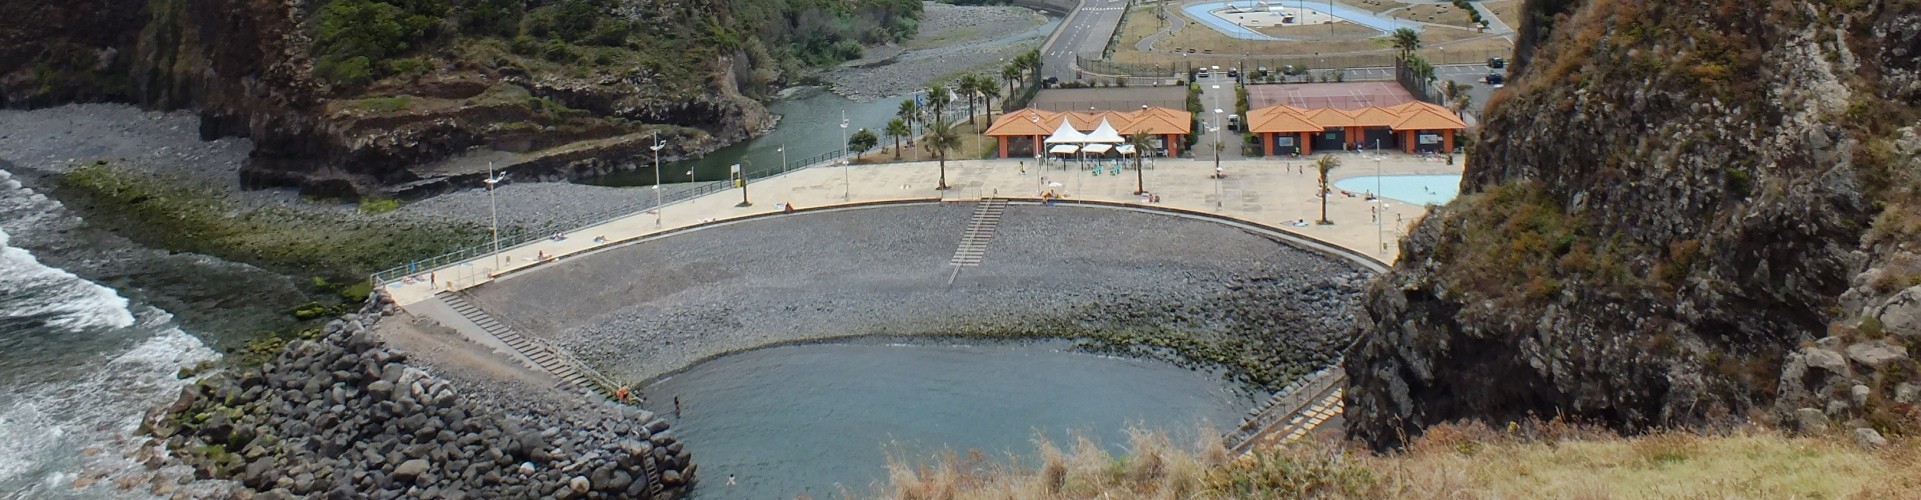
1349, 95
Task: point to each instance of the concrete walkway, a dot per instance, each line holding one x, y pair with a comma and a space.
1273, 192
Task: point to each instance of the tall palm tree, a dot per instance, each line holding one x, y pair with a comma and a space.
968, 85
1010, 73
1326, 163
909, 111
942, 139
897, 128
1407, 40
938, 97
1141, 141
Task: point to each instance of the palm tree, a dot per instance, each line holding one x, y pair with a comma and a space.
1010, 73
968, 85
1407, 40
1326, 163
897, 128
938, 97
909, 111
1141, 141
942, 139
988, 93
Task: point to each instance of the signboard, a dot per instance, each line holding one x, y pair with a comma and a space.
1428, 138
1285, 141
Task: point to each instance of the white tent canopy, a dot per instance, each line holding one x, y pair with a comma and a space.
1066, 135
1097, 148
1125, 149
1064, 149
1105, 134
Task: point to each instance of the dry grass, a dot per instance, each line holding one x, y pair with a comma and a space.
1139, 23
1441, 13
1508, 10
1376, 6
1332, 30
1448, 462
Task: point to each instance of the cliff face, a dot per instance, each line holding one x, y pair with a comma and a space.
246, 67
1668, 201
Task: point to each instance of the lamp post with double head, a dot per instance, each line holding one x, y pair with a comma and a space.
846, 178
494, 211
658, 144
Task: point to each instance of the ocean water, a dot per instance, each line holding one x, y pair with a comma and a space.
79, 365
822, 419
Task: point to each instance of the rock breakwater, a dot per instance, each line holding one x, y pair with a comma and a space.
345, 416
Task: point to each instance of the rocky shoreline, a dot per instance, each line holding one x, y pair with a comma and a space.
345, 416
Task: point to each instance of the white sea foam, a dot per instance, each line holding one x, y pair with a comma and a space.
31, 292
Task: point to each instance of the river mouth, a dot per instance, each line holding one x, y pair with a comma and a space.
821, 419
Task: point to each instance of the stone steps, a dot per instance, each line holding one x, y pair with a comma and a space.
979, 231
543, 357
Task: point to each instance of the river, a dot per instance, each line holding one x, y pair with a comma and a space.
821, 419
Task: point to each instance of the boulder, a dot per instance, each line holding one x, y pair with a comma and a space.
1860, 394
1875, 354
1901, 314
579, 484
410, 469
1811, 421
1868, 438
1827, 360
1907, 393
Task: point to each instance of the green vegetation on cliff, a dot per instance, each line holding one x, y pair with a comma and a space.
338, 247
357, 42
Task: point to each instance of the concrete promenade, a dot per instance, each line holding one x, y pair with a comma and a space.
1273, 192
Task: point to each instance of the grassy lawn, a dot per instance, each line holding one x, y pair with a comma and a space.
1443, 13
1334, 30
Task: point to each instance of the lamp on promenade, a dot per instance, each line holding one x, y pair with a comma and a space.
740, 176
657, 175
847, 179
494, 211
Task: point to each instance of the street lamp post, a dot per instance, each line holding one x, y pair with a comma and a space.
657, 175
846, 178
741, 176
494, 212
1380, 201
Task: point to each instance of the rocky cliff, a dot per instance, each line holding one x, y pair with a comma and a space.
1671, 203
431, 120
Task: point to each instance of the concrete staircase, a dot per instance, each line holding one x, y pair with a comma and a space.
1293, 412
545, 357
980, 230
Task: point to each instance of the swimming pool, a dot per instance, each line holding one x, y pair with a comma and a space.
1416, 189
1204, 13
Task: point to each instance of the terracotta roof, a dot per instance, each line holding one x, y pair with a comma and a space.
1417, 115
1429, 119
1331, 117
1154, 120
1280, 120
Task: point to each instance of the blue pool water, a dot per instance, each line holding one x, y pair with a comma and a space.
1416, 189
1204, 13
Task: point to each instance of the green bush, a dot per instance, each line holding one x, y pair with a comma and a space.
493, 18
353, 38
378, 205
524, 45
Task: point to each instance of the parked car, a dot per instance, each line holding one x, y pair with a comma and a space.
1496, 63
1233, 123
1261, 72
1201, 74
1496, 80
1233, 72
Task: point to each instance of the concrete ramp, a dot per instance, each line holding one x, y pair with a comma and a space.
541, 355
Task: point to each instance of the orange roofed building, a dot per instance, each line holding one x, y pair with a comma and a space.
1021, 133
1411, 127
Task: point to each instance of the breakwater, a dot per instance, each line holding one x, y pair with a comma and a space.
345, 416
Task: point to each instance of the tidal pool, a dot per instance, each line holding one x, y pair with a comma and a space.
1416, 189
820, 419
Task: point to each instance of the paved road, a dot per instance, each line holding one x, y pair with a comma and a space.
1217, 92
1085, 32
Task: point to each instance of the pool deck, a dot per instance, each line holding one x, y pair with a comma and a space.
1273, 192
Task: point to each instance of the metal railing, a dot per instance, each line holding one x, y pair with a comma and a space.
516, 237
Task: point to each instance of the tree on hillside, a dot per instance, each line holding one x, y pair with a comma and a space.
1407, 40
897, 128
1326, 163
1456, 95
1142, 144
862, 140
967, 87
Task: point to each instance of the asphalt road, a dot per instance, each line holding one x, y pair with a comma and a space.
1086, 33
